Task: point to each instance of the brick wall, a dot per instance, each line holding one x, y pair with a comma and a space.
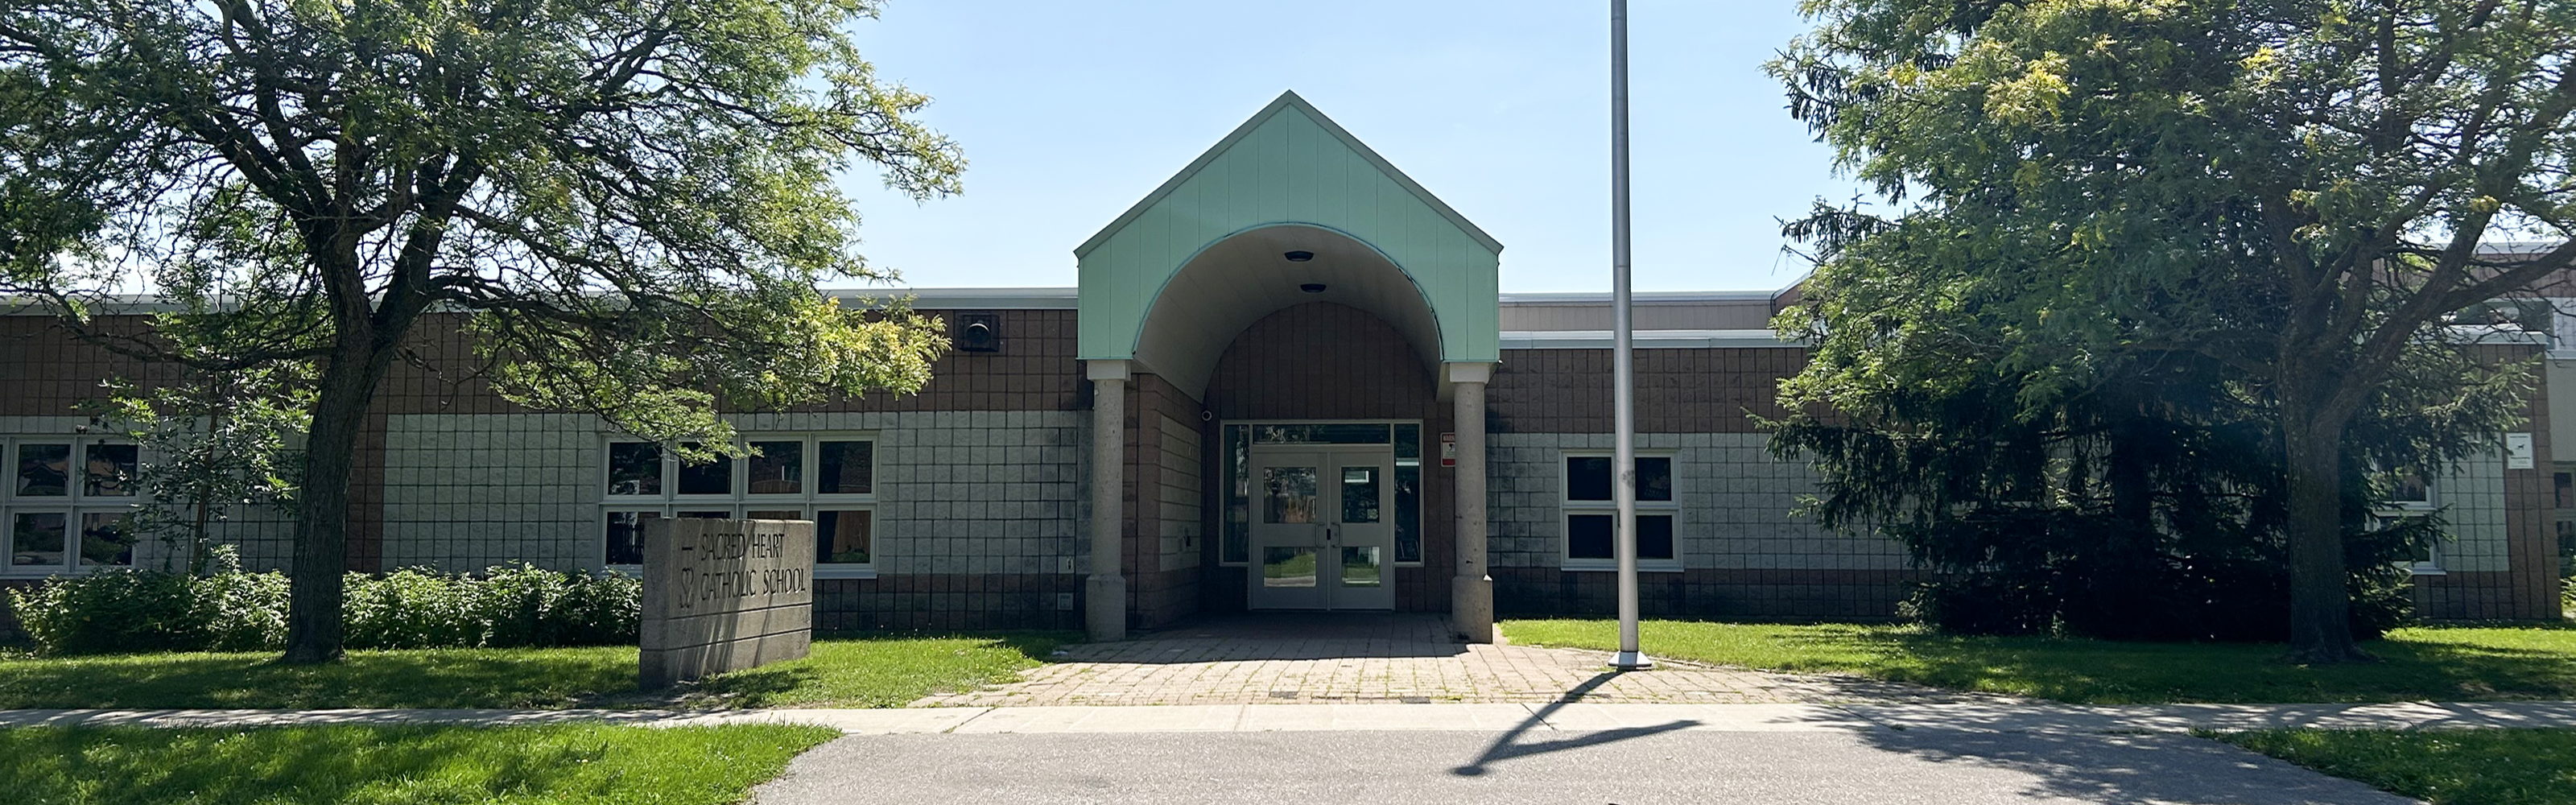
1164, 430
1678, 390
1326, 361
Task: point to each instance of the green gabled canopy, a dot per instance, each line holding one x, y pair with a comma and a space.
1287, 170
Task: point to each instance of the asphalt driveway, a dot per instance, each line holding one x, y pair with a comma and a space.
1631, 766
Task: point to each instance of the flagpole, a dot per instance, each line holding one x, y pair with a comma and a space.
1623, 462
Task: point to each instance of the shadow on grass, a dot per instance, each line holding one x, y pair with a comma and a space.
870, 669
293, 765
1035, 644
2411, 666
516, 678
2436, 663
864, 670
2441, 766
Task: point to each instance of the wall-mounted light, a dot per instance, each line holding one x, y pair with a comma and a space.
1299, 256
1312, 287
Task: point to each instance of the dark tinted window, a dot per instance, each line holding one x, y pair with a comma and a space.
1654, 479
1654, 536
711, 478
845, 468
1587, 536
1587, 478
634, 468
111, 470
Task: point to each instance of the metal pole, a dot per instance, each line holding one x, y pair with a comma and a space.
1623, 381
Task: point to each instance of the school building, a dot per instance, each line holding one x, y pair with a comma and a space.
1286, 380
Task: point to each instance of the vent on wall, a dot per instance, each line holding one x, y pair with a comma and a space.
978, 332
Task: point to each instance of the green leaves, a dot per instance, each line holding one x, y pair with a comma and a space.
634, 202
2238, 224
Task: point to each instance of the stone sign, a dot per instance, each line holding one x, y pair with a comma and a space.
724, 595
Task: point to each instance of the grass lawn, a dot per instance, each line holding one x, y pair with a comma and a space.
2443, 767
865, 671
390, 765
2436, 663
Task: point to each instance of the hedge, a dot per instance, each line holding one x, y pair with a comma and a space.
229, 609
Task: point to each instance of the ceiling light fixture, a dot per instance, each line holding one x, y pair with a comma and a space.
1299, 256
1312, 287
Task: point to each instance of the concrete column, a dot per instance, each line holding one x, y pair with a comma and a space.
1471, 592
1105, 591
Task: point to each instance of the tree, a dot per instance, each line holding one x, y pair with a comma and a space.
2062, 482
2296, 188
630, 201
217, 441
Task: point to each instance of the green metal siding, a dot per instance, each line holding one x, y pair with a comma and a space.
1291, 165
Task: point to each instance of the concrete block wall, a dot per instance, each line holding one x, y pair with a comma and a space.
972, 492
1736, 504
2472, 499
468, 491
1743, 553
981, 492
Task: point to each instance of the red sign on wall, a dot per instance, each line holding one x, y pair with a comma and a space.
1448, 449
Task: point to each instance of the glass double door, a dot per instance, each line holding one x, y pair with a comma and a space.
1322, 534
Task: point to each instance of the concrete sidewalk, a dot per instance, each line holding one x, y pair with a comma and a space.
1492, 717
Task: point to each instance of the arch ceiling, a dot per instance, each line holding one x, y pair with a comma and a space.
1172, 281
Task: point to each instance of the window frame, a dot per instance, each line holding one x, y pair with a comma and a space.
739, 502
1568, 508
75, 504
2431, 565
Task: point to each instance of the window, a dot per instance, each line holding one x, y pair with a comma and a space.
829, 479
2410, 494
1592, 514
70, 507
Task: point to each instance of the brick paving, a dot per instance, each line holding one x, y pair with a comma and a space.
1308, 658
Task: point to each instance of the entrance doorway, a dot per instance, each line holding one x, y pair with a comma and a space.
1323, 530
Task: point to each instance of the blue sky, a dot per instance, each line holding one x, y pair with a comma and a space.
1070, 112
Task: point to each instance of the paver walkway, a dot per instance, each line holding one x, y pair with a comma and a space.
1290, 658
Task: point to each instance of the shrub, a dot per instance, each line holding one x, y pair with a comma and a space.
240, 610
408, 608
528, 606
504, 606
111, 611
230, 609
2043, 571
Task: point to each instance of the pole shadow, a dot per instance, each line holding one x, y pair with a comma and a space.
1508, 746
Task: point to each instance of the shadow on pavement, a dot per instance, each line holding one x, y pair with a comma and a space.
2129, 768
1508, 746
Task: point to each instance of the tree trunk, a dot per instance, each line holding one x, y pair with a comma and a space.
2320, 598
313, 616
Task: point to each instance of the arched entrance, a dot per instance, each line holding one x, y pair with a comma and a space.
1287, 227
